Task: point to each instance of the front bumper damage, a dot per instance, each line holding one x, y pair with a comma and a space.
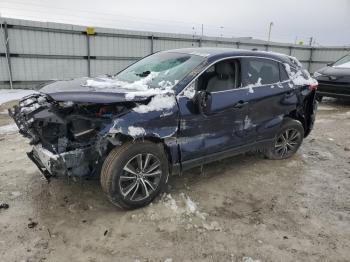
72, 163
58, 148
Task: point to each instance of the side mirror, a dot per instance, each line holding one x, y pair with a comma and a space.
203, 102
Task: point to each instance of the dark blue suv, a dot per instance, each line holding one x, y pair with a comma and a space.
166, 113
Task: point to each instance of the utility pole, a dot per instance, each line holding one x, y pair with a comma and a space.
193, 34
202, 30
270, 29
310, 42
7, 49
222, 28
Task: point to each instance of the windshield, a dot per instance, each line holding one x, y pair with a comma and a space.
162, 70
343, 62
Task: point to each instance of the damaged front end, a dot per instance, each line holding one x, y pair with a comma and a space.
69, 139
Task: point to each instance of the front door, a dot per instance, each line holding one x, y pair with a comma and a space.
224, 127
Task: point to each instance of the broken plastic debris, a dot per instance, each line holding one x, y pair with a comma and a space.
32, 224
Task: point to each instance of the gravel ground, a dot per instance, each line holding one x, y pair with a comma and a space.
244, 208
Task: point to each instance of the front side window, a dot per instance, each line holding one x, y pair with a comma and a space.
256, 71
222, 76
343, 62
160, 69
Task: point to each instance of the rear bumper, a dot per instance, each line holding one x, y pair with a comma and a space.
71, 163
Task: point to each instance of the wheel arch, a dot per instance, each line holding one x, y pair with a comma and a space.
120, 138
305, 113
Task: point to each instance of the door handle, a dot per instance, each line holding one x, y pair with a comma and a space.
240, 104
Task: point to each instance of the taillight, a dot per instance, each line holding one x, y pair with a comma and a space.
313, 87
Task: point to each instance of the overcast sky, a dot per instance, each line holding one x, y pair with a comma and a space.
327, 21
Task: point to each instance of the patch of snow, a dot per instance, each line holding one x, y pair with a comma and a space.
137, 88
251, 86
168, 260
167, 84
164, 114
191, 207
300, 76
190, 91
8, 129
165, 88
105, 82
7, 95
247, 123
249, 259
158, 103
136, 131
200, 54
295, 61
213, 226
170, 202
186, 206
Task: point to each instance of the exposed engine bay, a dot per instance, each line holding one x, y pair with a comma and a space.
68, 138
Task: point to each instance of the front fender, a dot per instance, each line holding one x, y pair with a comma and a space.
155, 125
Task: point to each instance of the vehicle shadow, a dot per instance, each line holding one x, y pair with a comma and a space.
232, 166
83, 195
336, 101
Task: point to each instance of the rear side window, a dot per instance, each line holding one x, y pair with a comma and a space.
259, 70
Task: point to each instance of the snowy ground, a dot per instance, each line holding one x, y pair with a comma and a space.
7, 95
244, 208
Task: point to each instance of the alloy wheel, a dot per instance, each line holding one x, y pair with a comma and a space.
287, 142
140, 177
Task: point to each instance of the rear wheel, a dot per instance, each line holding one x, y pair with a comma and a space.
134, 174
287, 141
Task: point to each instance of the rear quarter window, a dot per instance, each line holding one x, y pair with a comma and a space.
283, 73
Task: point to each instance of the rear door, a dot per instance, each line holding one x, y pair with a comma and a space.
272, 96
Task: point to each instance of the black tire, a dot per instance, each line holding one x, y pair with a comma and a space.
118, 174
287, 141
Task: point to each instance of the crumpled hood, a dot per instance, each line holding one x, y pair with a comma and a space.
76, 90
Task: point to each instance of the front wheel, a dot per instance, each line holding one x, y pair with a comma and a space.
287, 141
134, 174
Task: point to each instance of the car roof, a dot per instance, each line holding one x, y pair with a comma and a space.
217, 53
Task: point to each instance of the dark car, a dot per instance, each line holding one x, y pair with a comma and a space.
334, 79
166, 113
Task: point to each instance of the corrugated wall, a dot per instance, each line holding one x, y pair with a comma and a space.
44, 51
